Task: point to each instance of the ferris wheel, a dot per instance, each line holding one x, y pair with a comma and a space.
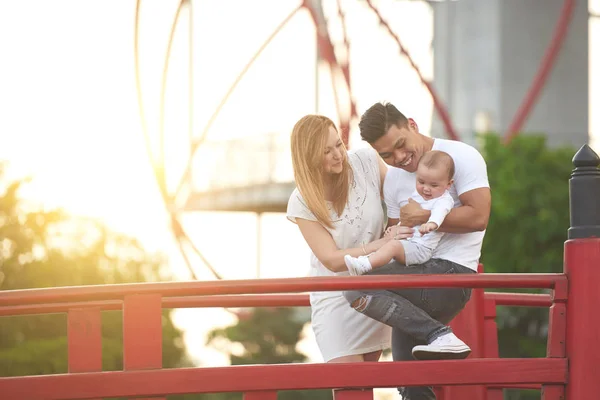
334, 55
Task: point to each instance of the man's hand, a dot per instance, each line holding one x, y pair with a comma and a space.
428, 227
398, 232
412, 214
388, 231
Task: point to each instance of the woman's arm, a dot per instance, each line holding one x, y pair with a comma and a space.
323, 246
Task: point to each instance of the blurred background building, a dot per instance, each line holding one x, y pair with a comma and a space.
487, 55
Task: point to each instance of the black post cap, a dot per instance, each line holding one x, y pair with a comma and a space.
584, 194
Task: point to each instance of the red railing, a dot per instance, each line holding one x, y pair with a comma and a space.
143, 376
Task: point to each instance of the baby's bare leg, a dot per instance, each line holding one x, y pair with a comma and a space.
391, 250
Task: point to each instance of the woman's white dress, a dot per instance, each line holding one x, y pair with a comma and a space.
339, 329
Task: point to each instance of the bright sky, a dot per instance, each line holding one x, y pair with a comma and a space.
70, 114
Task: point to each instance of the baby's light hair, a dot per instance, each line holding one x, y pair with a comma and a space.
436, 158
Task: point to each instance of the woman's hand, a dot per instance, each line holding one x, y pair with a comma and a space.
398, 232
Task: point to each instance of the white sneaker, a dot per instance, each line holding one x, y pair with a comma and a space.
447, 346
358, 265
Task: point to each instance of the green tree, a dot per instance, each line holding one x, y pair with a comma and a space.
263, 336
266, 335
40, 248
527, 230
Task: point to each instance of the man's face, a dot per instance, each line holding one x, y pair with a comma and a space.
399, 147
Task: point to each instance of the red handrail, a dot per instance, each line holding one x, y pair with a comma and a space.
520, 299
247, 300
265, 286
287, 377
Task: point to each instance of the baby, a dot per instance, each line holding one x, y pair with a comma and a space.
434, 178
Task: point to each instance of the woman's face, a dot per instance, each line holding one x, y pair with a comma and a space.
334, 153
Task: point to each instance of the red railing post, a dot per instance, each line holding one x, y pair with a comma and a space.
84, 340
439, 392
557, 330
142, 332
582, 267
490, 328
490, 343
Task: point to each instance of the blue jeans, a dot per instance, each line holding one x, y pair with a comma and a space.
417, 316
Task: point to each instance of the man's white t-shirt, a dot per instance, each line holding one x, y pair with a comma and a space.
470, 173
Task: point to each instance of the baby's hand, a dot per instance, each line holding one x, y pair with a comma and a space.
398, 232
428, 227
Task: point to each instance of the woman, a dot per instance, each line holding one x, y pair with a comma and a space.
337, 206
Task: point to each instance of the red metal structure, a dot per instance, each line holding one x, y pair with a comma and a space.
569, 369
336, 57
143, 376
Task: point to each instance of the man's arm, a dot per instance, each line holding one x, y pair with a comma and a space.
472, 216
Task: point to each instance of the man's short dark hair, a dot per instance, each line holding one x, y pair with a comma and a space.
378, 119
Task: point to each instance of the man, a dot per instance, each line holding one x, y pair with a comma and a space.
419, 317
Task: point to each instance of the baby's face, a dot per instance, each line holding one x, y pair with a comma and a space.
432, 182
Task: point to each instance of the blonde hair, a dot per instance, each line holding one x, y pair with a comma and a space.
437, 158
308, 142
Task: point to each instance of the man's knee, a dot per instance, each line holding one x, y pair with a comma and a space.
356, 299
